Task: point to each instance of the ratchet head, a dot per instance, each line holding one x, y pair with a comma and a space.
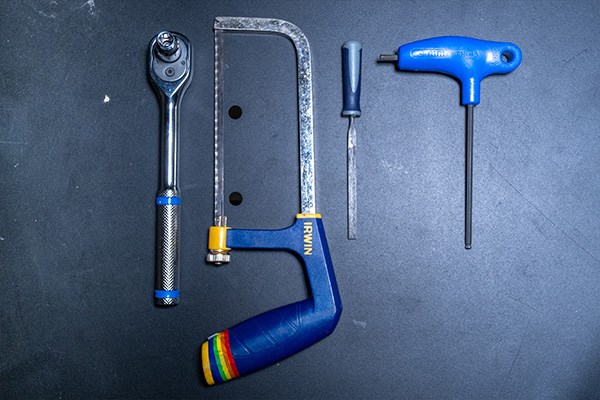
170, 58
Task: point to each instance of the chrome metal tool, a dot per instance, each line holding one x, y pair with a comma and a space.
351, 69
170, 72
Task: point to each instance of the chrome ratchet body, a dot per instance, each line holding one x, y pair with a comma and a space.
170, 72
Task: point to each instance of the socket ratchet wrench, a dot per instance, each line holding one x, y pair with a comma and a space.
170, 72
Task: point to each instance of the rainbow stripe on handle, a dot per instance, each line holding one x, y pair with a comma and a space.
217, 361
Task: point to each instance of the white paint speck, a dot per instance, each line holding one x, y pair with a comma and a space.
362, 324
50, 15
16, 165
106, 99
91, 7
392, 167
1, 238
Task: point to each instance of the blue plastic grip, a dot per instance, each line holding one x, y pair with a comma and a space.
166, 294
351, 65
163, 201
279, 333
467, 59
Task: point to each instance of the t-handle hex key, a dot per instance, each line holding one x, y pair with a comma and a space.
170, 72
470, 61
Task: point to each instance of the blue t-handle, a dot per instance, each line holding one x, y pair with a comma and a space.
467, 59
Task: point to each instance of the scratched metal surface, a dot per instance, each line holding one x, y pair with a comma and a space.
517, 317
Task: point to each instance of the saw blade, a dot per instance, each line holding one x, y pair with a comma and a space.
219, 186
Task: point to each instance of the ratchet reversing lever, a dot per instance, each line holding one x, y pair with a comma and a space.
170, 72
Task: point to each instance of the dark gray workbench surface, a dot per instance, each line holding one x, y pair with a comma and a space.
517, 317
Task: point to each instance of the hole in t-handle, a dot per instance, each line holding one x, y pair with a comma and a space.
507, 56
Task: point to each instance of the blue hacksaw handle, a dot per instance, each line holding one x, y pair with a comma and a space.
276, 334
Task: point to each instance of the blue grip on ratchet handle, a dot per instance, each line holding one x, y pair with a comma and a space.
276, 334
467, 59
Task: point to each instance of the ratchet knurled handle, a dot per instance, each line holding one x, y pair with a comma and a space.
167, 248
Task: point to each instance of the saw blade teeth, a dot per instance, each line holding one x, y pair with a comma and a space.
219, 184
